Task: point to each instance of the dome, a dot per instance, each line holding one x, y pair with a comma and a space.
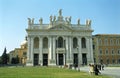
24, 42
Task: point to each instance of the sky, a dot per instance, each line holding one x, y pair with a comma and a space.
105, 16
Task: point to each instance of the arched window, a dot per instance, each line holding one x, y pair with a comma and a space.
111, 42
100, 42
60, 42
45, 42
75, 41
36, 42
83, 41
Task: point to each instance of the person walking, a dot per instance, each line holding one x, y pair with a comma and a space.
96, 70
91, 70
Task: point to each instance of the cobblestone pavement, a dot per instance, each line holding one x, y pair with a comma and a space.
114, 72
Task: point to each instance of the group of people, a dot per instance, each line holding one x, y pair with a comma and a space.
94, 68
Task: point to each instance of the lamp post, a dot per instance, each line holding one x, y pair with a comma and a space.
78, 58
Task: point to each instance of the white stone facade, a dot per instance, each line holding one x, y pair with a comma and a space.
59, 42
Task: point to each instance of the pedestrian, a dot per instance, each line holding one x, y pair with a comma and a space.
96, 70
91, 69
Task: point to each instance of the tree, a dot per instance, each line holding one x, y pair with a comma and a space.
4, 57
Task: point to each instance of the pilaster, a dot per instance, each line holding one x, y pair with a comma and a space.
30, 52
40, 49
79, 51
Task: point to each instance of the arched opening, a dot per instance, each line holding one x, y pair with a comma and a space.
45, 42
36, 42
83, 41
60, 42
75, 41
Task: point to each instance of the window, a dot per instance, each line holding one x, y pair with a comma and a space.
118, 61
36, 42
24, 54
106, 51
100, 51
83, 41
111, 42
108, 61
75, 41
45, 42
117, 41
112, 51
118, 51
113, 61
60, 42
100, 41
106, 42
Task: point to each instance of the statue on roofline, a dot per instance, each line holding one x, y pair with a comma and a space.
32, 20
41, 20
60, 12
29, 21
78, 21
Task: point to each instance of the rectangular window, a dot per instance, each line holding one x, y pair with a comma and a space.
100, 52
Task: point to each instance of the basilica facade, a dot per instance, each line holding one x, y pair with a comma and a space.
59, 42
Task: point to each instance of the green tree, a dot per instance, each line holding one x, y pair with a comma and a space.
4, 57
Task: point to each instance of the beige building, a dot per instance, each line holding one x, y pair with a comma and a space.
106, 48
21, 53
59, 42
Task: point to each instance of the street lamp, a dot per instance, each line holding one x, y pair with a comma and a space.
78, 58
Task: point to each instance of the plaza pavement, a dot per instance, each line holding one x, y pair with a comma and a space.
114, 72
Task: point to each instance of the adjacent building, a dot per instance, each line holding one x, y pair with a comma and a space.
19, 54
106, 48
60, 42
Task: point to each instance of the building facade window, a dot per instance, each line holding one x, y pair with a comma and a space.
113, 61
60, 42
75, 41
108, 61
100, 51
106, 52
117, 42
118, 51
118, 61
100, 42
83, 41
106, 42
45, 42
36, 42
112, 52
111, 42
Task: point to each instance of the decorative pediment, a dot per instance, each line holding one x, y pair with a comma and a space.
60, 27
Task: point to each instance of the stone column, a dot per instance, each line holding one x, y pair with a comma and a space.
28, 63
50, 51
70, 49
79, 50
88, 50
54, 55
66, 51
40, 51
91, 50
32, 50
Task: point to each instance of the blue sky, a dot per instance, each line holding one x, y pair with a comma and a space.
105, 16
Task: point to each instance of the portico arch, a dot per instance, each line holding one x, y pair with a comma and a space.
36, 42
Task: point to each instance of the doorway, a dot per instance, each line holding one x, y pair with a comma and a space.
36, 59
45, 59
75, 60
84, 59
60, 58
